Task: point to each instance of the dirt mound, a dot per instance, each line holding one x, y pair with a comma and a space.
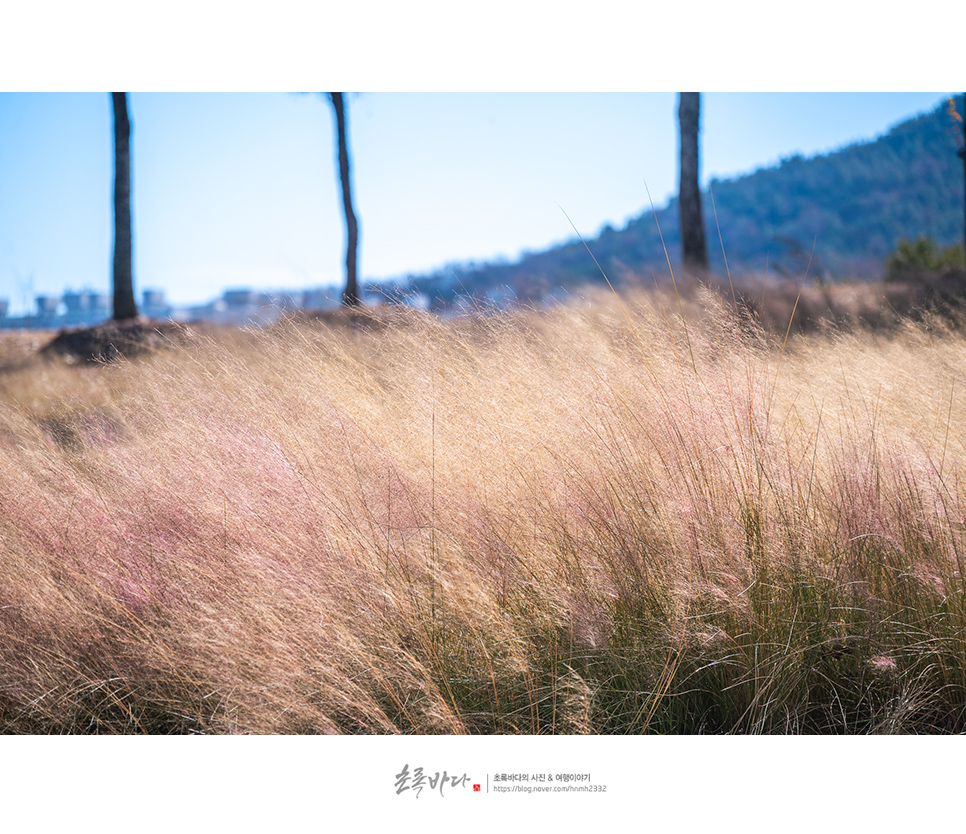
114, 339
359, 319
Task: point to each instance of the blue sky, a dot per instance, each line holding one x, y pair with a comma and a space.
240, 189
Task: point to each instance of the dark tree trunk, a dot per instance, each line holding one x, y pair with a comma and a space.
124, 305
962, 153
350, 297
694, 249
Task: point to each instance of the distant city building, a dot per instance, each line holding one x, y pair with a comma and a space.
83, 308
154, 306
47, 305
238, 306
321, 298
240, 298
77, 302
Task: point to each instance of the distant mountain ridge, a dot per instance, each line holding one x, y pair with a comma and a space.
852, 205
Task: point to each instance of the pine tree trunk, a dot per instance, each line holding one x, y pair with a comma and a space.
694, 249
125, 306
350, 297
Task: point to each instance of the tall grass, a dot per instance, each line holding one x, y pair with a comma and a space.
607, 518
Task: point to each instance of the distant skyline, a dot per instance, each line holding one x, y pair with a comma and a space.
241, 189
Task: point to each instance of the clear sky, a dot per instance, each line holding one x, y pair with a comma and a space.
240, 189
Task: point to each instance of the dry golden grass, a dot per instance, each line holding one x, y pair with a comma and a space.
601, 518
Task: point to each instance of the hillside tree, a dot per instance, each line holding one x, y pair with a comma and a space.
350, 296
694, 248
125, 306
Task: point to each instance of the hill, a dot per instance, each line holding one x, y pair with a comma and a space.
854, 205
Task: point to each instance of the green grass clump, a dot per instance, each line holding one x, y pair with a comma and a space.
915, 258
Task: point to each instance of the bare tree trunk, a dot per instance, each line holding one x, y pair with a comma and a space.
350, 296
125, 306
962, 153
694, 249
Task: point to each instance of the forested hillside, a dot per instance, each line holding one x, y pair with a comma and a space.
853, 206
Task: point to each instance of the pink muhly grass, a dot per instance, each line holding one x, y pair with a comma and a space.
641, 524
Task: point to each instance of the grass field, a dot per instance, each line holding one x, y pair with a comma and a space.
618, 516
